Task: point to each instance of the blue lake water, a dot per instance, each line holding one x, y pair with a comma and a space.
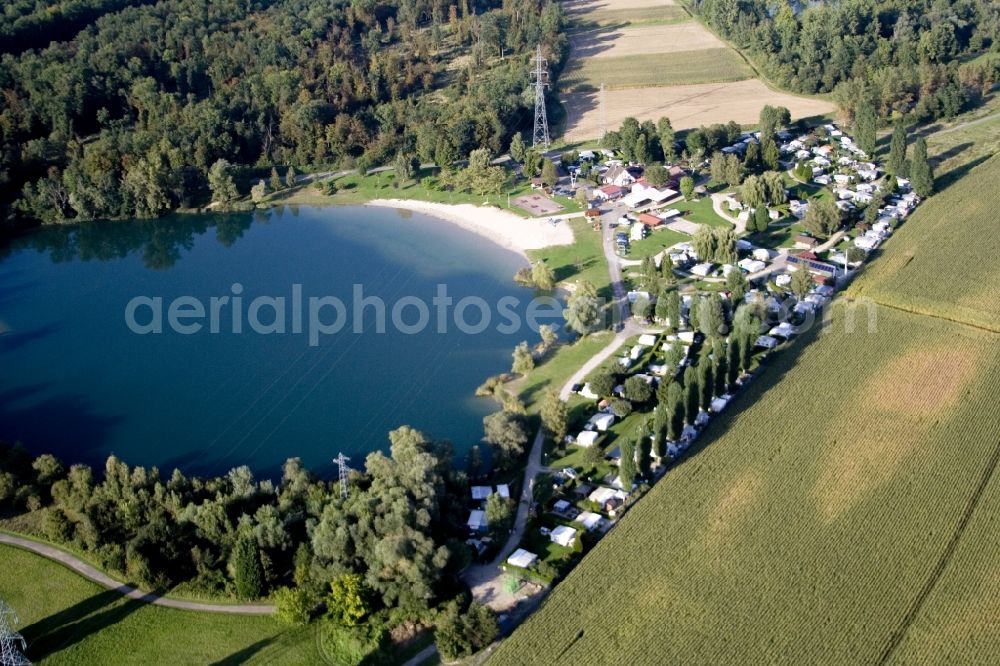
77, 382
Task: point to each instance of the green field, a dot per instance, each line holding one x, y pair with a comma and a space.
806, 531
712, 65
69, 620
941, 261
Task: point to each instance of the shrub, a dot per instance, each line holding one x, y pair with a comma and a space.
292, 605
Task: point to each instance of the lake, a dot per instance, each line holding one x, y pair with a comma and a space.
84, 372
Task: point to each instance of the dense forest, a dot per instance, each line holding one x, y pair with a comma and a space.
26, 24
127, 117
398, 529
912, 57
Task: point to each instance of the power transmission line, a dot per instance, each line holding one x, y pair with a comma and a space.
341, 461
541, 74
12, 644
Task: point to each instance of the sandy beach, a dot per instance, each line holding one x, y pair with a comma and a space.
502, 227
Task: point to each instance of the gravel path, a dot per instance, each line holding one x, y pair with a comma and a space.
102, 579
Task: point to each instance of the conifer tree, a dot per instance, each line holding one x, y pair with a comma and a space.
865, 127
897, 151
921, 173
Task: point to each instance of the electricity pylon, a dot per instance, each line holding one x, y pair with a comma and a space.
541, 134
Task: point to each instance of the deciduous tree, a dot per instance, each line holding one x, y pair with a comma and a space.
555, 416
583, 309
524, 362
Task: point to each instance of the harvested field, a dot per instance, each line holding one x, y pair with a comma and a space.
826, 522
943, 258
647, 71
590, 6
687, 106
654, 61
642, 40
633, 16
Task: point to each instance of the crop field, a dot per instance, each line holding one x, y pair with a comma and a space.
642, 40
651, 70
847, 515
687, 106
629, 17
655, 60
592, 6
69, 620
960, 620
942, 261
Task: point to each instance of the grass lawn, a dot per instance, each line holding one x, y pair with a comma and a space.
806, 191
69, 620
701, 211
556, 368
778, 234
711, 65
970, 139
357, 189
655, 242
583, 260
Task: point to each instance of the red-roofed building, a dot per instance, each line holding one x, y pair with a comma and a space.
650, 220
609, 192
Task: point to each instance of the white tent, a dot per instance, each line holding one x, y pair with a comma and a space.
782, 330
702, 270
481, 492
602, 421
766, 342
752, 265
503, 490
647, 339
522, 558
588, 519
563, 535
477, 520
587, 438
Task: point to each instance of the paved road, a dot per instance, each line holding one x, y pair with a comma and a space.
614, 267
99, 577
717, 200
486, 580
